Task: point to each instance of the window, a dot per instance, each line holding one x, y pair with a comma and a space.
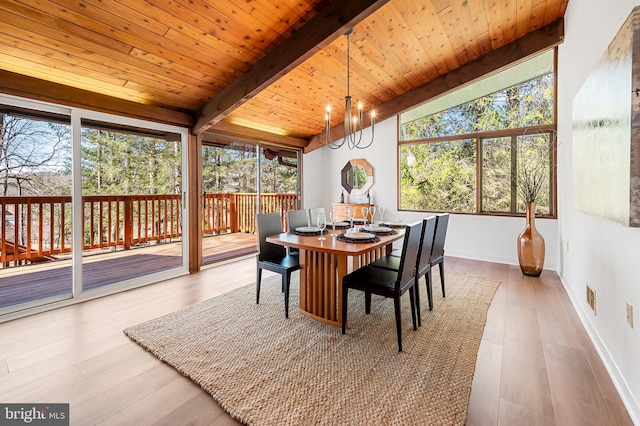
439, 176
484, 155
512, 166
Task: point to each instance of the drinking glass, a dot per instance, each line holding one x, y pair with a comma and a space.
373, 214
351, 213
365, 213
381, 209
322, 223
333, 223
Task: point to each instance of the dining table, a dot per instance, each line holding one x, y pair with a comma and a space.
324, 262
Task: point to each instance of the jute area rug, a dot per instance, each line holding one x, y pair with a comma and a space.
264, 369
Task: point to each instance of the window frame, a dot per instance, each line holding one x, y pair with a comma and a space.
478, 136
552, 129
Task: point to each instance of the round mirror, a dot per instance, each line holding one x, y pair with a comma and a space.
357, 177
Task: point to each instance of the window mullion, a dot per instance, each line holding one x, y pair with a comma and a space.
479, 169
514, 174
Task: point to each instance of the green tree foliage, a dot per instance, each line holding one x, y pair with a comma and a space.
523, 105
496, 174
115, 163
533, 171
233, 170
229, 170
279, 178
440, 175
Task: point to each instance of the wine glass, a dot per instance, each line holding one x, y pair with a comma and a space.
322, 223
333, 224
373, 214
351, 213
381, 210
365, 213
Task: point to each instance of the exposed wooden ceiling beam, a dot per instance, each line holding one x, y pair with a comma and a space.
320, 31
234, 131
545, 38
34, 88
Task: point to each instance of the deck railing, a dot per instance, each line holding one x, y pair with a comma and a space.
34, 229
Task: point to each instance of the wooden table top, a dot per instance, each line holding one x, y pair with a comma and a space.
332, 244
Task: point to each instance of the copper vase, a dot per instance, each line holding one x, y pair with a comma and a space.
531, 245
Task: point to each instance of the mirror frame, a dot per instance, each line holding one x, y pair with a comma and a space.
345, 172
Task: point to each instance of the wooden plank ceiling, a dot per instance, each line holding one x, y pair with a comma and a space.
257, 69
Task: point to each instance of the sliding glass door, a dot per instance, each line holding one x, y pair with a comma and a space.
35, 207
229, 179
90, 203
237, 178
132, 203
279, 180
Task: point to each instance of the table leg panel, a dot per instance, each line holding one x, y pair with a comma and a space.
341, 262
304, 279
321, 282
318, 282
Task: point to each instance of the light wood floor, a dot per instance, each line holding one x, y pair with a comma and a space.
536, 365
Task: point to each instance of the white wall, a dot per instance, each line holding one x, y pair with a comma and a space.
489, 238
595, 250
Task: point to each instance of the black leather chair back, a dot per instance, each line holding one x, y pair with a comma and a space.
428, 233
269, 224
437, 252
409, 255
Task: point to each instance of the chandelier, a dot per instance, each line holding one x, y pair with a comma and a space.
353, 123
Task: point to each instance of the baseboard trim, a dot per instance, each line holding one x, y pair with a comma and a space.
629, 401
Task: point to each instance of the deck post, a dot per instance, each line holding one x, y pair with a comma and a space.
233, 207
128, 221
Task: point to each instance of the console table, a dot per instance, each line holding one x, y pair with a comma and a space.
340, 210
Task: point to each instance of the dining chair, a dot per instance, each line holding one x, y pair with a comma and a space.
314, 213
387, 283
296, 219
273, 257
423, 264
437, 252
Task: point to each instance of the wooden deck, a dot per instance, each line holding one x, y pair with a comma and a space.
34, 282
227, 246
